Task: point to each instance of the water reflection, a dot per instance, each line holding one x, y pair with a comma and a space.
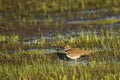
96, 20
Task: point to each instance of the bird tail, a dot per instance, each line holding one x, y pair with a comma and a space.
87, 52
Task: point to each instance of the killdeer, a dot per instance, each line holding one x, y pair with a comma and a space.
75, 53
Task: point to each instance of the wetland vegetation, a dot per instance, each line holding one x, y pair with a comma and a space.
34, 33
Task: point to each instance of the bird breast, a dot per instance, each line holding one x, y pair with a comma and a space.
76, 52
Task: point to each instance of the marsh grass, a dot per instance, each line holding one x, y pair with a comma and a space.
104, 62
36, 65
29, 9
12, 39
45, 67
105, 40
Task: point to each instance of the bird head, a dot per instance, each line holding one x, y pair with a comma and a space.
66, 48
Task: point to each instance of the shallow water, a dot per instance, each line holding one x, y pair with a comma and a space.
80, 19
109, 60
75, 20
99, 19
49, 39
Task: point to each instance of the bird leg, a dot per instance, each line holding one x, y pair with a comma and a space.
75, 61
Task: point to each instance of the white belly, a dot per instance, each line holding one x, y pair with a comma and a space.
73, 57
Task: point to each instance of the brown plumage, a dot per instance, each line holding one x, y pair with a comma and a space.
74, 53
